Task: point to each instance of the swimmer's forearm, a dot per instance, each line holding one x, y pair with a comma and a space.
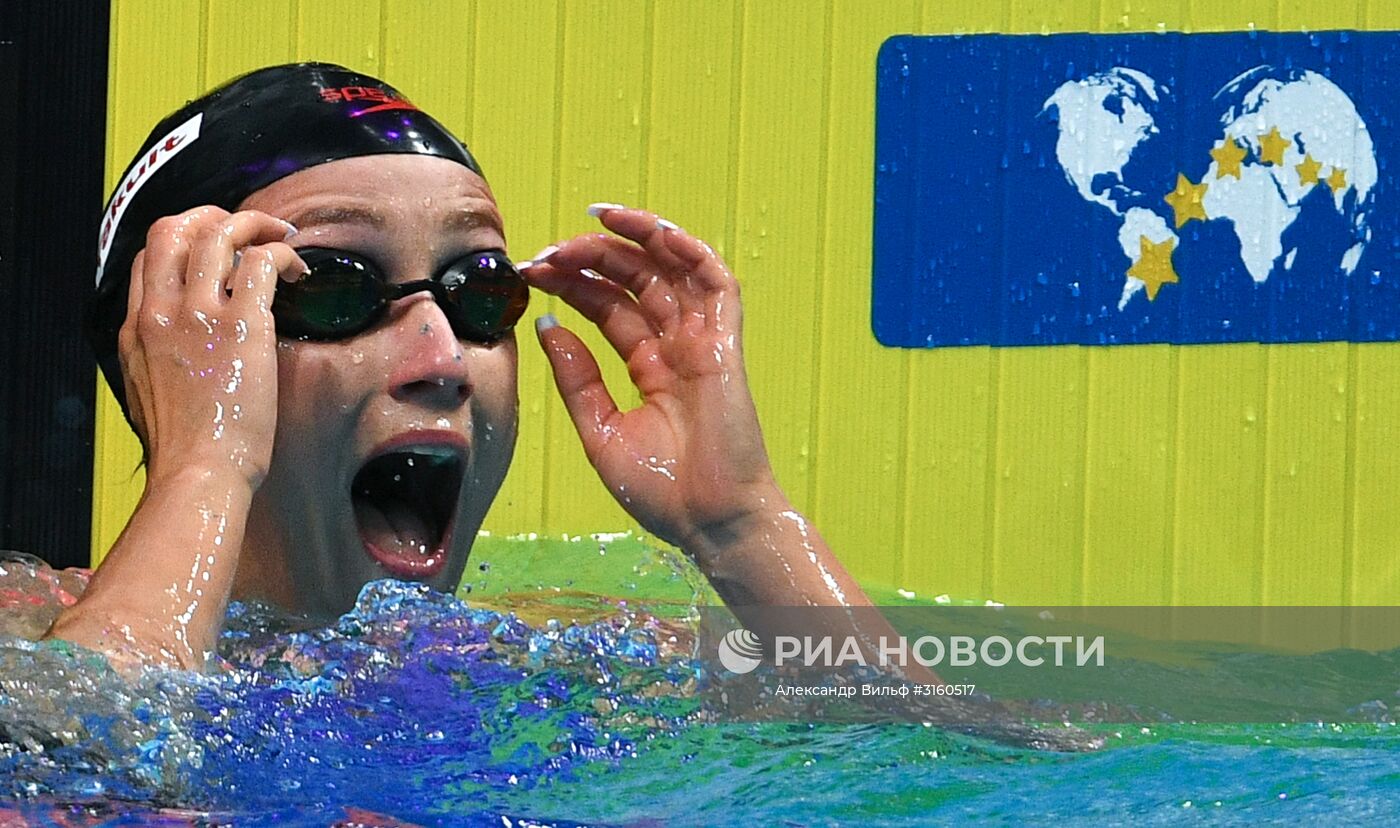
161, 592
776, 558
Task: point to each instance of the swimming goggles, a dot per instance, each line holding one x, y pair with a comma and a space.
481, 294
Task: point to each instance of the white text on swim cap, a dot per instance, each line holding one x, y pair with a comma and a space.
156, 157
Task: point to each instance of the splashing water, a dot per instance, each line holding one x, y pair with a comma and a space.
420, 708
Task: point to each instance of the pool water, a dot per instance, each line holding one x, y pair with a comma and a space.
527, 700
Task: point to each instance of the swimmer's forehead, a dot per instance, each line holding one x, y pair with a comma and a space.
383, 193
482, 215
389, 196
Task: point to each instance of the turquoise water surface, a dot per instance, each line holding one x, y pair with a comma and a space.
516, 705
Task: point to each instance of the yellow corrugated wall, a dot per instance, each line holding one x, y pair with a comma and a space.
1251, 473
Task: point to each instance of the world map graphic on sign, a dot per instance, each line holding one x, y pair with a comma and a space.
1119, 189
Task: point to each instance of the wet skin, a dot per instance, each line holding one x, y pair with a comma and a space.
407, 381
254, 440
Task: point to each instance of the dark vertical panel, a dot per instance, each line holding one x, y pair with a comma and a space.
9, 165
53, 65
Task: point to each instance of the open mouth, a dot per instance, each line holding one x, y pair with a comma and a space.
405, 501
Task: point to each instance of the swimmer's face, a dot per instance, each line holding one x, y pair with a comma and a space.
390, 444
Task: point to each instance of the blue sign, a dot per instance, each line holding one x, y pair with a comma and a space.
1116, 189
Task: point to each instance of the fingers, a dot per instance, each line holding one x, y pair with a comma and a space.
672, 274
667, 243
259, 267
602, 302
126, 335
192, 254
127, 345
167, 252
136, 290
625, 264
218, 245
206, 257
580, 383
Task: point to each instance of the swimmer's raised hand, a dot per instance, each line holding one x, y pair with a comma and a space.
198, 347
199, 356
689, 462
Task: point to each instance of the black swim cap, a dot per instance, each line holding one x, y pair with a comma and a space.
237, 139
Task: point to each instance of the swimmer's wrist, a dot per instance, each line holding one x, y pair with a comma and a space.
203, 476
718, 540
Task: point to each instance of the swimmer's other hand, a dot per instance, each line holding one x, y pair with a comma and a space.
690, 461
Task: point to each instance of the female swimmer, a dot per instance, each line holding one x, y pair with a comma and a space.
305, 307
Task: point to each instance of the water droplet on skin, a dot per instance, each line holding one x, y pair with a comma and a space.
357, 358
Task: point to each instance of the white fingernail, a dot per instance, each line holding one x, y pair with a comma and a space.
291, 230
663, 224
525, 265
544, 323
544, 254
598, 208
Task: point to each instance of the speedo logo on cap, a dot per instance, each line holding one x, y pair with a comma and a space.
156, 157
379, 99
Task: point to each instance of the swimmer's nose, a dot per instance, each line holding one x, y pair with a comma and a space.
433, 370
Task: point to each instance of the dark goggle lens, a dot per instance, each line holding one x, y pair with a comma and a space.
482, 296
340, 297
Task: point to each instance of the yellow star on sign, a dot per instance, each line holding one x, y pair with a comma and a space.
1185, 200
1227, 155
1154, 265
1308, 170
1271, 147
1337, 180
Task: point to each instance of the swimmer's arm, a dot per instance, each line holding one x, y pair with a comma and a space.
689, 464
198, 337
160, 595
772, 557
